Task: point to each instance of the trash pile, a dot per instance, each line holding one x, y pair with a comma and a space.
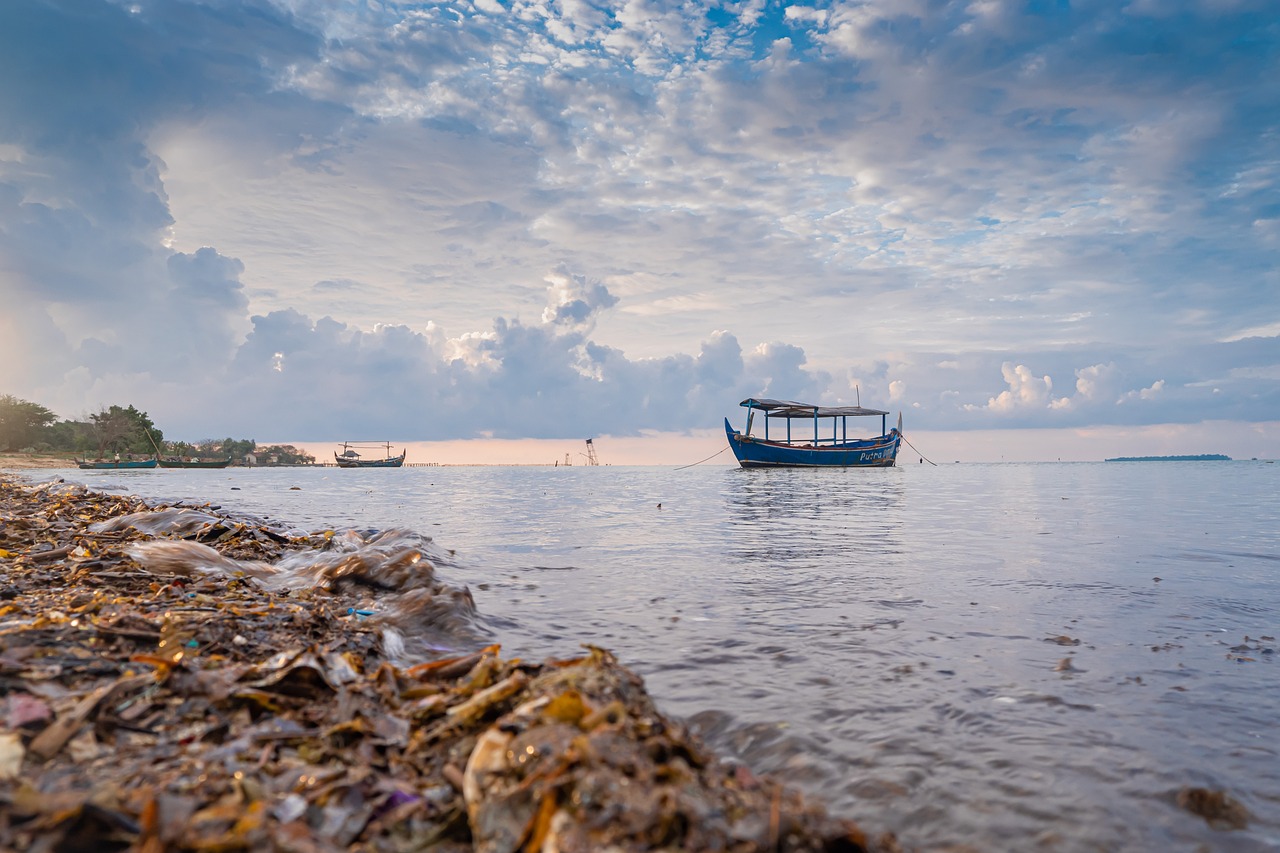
150, 703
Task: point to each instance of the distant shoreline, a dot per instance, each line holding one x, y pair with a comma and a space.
1199, 457
38, 461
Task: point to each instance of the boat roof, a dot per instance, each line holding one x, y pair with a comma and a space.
792, 409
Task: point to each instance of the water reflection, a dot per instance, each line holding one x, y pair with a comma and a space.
891, 640
807, 516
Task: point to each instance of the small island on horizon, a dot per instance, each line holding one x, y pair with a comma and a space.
1198, 457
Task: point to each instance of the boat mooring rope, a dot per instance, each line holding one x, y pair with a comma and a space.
700, 461
922, 456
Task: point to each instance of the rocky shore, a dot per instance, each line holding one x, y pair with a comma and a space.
160, 691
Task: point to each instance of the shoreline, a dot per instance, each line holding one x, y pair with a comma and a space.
157, 704
16, 462
33, 462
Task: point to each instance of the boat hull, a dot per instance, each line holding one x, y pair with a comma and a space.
209, 463
752, 452
131, 465
393, 462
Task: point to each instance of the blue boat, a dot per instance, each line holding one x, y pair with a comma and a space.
821, 440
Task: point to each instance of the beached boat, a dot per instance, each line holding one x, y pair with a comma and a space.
820, 441
195, 463
350, 457
116, 464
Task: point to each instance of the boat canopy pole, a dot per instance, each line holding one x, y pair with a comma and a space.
789, 411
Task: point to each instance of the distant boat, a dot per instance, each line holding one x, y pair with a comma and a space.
351, 458
814, 445
195, 463
117, 464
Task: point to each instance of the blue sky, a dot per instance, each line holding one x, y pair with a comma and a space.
316, 220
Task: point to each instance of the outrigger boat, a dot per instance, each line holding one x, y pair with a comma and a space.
351, 458
117, 465
195, 463
819, 448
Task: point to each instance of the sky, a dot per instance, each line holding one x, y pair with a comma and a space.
1035, 228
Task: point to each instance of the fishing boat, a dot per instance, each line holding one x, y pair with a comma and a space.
820, 440
195, 463
116, 464
350, 456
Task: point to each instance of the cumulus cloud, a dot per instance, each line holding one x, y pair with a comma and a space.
780, 371
720, 361
573, 301
1096, 381
1151, 392
514, 380
1026, 391
237, 204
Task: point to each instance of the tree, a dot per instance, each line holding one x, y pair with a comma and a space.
74, 436
236, 448
21, 422
125, 431
285, 454
179, 448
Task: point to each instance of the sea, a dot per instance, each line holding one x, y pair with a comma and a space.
970, 656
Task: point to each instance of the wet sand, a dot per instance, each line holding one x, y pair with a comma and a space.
150, 702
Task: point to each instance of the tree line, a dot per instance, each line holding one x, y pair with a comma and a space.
28, 427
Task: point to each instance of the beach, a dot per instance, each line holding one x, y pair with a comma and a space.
177, 678
32, 462
983, 657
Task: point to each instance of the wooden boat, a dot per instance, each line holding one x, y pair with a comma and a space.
351, 458
818, 447
195, 463
117, 464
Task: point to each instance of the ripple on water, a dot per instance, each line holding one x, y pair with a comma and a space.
879, 640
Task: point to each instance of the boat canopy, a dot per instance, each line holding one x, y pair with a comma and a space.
792, 410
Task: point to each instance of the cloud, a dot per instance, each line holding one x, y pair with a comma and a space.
339, 287
239, 204
1026, 391
1150, 393
572, 301
515, 380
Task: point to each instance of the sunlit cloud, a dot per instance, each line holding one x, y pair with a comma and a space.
637, 212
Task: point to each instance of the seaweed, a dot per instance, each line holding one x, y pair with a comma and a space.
152, 704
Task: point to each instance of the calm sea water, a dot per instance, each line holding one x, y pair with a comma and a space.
1008, 656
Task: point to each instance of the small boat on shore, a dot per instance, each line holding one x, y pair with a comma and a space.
350, 456
195, 463
116, 464
819, 447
